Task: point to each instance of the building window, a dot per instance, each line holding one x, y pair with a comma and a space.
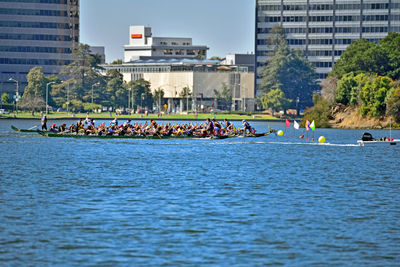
168, 51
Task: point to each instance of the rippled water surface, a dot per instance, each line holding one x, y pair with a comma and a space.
244, 201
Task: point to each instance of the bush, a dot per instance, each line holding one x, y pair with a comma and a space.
319, 113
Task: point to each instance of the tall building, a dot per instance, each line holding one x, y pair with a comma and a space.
35, 33
143, 44
324, 28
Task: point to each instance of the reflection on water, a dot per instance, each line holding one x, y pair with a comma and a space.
244, 201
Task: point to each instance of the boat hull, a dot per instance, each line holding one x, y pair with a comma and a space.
46, 134
378, 142
26, 130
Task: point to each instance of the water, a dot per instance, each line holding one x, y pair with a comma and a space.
243, 202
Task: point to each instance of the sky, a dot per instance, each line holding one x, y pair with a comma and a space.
225, 26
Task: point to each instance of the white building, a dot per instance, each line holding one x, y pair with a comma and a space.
174, 63
202, 77
143, 44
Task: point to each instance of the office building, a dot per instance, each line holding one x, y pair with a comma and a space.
323, 29
35, 33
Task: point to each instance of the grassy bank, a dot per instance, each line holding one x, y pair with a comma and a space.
200, 116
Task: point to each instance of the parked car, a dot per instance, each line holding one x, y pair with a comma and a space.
3, 111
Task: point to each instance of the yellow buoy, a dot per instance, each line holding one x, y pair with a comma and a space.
280, 133
321, 139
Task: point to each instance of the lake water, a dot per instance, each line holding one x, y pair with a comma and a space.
243, 202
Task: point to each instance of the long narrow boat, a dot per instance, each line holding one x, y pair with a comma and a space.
73, 135
26, 130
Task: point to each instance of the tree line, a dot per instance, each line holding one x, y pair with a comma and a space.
367, 78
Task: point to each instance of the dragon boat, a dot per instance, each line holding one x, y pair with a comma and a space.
27, 130
83, 136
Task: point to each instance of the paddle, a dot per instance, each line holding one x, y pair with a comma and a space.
33, 127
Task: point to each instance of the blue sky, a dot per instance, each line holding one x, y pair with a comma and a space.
225, 26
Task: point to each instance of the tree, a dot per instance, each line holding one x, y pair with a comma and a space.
319, 113
393, 105
5, 98
288, 70
116, 62
349, 87
158, 96
84, 72
362, 56
141, 92
328, 91
32, 102
116, 93
224, 97
186, 93
373, 96
275, 100
36, 83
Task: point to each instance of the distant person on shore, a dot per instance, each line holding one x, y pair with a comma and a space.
44, 123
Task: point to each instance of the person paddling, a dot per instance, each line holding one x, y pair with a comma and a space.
247, 126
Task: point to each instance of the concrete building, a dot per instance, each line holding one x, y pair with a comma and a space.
35, 33
142, 43
324, 28
202, 77
174, 63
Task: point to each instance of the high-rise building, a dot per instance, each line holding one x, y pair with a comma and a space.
35, 33
324, 28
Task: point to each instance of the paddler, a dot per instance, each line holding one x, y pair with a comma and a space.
246, 126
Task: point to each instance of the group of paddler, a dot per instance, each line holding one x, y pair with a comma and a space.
211, 127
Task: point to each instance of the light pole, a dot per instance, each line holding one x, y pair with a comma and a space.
141, 100
129, 98
93, 93
17, 94
68, 99
47, 96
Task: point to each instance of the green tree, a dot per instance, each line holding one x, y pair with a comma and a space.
116, 62
275, 99
349, 87
5, 98
141, 92
393, 105
84, 72
158, 96
116, 94
373, 96
224, 97
186, 94
288, 70
319, 113
362, 56
36, 83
